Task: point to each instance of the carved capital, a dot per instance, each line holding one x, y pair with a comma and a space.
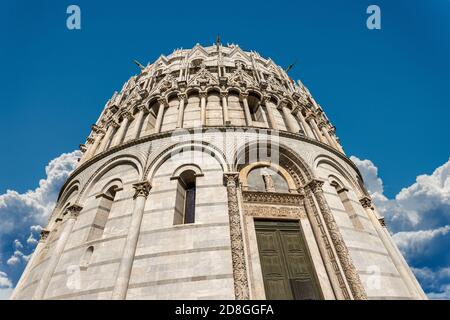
315, 185
141, 107
223, 94
44, 234
73, 211
366, 202
231, 178
96, 128
382, 221
142, 189
203, 94
182, 96
83, 148
163, 101
113, 123
243, 95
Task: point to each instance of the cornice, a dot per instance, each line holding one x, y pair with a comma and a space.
161, 135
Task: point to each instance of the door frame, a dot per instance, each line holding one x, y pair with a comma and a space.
292, 212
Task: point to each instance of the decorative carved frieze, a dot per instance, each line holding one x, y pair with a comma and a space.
241, 289
73, 211
268, 211
288, 199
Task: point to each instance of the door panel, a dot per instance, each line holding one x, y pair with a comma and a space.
286, 266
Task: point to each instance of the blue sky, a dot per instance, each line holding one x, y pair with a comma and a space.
386, 91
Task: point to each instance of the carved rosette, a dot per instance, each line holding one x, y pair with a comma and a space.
142, 189
241, 289
342, 251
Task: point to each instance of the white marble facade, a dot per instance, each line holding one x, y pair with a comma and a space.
119, 230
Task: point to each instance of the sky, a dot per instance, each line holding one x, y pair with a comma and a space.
386, 91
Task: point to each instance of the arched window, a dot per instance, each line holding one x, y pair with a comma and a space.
257, 112
185, 199
266, 179
86, 259
106, 200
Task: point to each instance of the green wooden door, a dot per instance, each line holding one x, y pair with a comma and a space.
286, 266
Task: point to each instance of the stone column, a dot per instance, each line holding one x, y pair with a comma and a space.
349, 269
37, 252
72, 214
241, 289
323, 240
323, 127
159, 117
203, 95
291, 126
120, 135
381, 230
109, 133
126, 263
248, 116
336, 143
224, 95
139, 119
94, 146
305, 126
272, 122
182, 97
312, 122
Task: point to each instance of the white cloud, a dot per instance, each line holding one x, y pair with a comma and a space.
32, 240
419, 219
21, 214
6, 286
17, 244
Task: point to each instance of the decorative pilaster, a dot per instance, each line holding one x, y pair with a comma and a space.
159, 118
323, 128
203, 95
112, 125
248, 116
312, 121
306, 127
71, 214
120, 136
142, 190
182, 98
273, 123
139, 119
224, 97
290, 125
241, 289
349, 269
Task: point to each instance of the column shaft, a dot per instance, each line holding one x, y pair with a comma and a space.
203, 108
126, 263
120, 135
226, 120
138, 124
273, 123
316, 130
106, 138
305, 125
159, 117
180, 111
291, 126
56, 254
248, 116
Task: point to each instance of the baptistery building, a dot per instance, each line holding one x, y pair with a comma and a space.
213, 175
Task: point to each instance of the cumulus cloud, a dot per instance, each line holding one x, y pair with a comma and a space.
22, 214
6, 286
419, 220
